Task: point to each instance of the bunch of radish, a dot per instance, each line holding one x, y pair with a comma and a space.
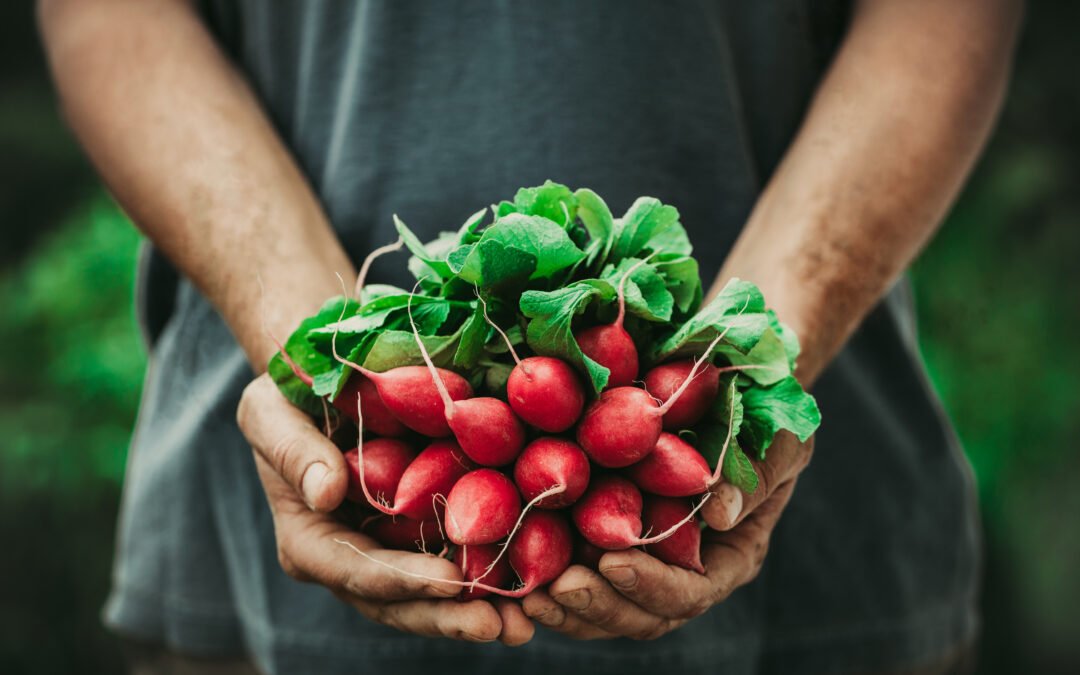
593, 409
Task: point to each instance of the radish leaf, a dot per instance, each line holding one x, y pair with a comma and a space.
550, 331
784, 405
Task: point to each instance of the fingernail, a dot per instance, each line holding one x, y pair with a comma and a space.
621, 577
731, 497
475, 638
577, 599
312, 482
552, 616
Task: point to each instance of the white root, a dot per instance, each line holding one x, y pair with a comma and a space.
362, 276
696, 370
505, 337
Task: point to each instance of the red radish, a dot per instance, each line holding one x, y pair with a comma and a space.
414, 398
555, 469
434, 472
673, 469
405, 534
546, 393
481, 508
664, 380
385, 460
541, 552
611, 346
683, 547
622, 426
486, 428
377, 417
549, 462
609, 515
476, 563
543, 390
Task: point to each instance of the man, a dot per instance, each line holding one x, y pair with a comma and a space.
811, 148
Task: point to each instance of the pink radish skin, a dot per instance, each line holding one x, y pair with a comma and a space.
546, 393
385, 461
435, 471
481, 508
609, 514
541, 551
620, 428
548, 462
673, 469
542, 390
683, 547
377, 417
474, 562
405, 534
487, 430
539, 554
664, 380
613, 348
413, 397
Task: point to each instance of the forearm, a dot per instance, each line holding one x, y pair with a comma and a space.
184, 146
892, 133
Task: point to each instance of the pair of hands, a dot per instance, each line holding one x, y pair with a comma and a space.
634, 595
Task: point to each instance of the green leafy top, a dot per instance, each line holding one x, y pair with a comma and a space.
547, 264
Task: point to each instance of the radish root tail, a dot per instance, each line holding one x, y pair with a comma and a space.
382, 250
553, 490
696, 370
505, 337
519, 593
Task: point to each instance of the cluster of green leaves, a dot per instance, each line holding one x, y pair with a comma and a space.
547, 264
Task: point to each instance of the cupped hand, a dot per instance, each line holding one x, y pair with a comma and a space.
304, 477
637, 596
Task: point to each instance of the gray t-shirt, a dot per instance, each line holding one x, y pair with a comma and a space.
431, 110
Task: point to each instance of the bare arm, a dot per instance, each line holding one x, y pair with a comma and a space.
890, 138
886, 145
182, 142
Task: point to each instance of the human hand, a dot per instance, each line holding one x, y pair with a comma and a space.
304, 477
637, 596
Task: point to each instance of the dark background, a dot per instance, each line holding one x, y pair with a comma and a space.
998, 292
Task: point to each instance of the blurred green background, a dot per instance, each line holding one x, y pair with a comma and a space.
998, 292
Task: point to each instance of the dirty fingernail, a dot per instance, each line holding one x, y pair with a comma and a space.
312, 482
579, 599
621, 577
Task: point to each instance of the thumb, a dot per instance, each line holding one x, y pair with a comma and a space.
288, 440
